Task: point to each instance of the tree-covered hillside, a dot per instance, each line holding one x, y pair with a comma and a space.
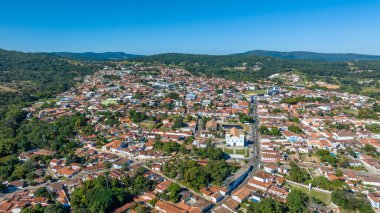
313, 55
28, 77
252, 67
91, 56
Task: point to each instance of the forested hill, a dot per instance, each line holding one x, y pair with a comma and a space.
26, 77
91, 56
298, 55
252, 67
313, 55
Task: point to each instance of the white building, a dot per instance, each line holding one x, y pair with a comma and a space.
235, 138
374, 199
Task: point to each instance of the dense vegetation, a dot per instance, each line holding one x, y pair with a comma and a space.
313, 55
349, 201
30, 134
296, 100
103, 194
268, 205
30, 76
196, 176
300, 175
91, 56
218, 65
25, 78
297, 201
38, 208
17, 135
274, 131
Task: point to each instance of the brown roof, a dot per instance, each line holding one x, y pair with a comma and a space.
41, 200
232, 204
258, 183
235, 132
66, 171
6, 206
163, 185
125, 207
168, 208
264, 175
211, 124
242, 193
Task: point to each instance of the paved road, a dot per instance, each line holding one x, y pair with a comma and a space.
255, 160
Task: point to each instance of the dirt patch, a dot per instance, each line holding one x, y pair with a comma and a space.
6, 89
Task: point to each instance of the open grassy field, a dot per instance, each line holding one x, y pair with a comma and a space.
236, 151
306, 158
255, 92
109, 101
147, 124
324, 197
371, 90
241, 151
228, 151
6, 89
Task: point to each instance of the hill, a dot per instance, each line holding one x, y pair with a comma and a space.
91, 56
354, 77
28, 77
313, 55
253, 67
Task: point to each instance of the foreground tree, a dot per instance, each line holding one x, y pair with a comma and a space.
174, 189
297, 201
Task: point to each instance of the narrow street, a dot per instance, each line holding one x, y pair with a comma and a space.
255, 161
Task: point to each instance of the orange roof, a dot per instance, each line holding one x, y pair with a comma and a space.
258, 183
163, 185
235, 132
242, 193
65, 171
169, 208
6, 206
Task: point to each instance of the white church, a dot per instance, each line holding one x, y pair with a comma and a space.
235, 138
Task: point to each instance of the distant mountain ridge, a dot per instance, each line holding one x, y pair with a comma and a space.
293, 55
304, 55
91, 56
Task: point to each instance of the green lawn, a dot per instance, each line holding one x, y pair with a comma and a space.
241, 151
306, 158
371, 89
255, 92
324, 197
109, 101
147, 124
228, 151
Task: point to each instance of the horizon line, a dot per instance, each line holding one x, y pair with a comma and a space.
191, 53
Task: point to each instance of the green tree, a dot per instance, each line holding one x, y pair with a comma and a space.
173, 95
173, 190
42, 192
295, 129
267, 205
275, 131
296, 173
100, 200
297, 201
56, 208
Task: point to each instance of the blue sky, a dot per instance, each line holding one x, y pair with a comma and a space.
190, 26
